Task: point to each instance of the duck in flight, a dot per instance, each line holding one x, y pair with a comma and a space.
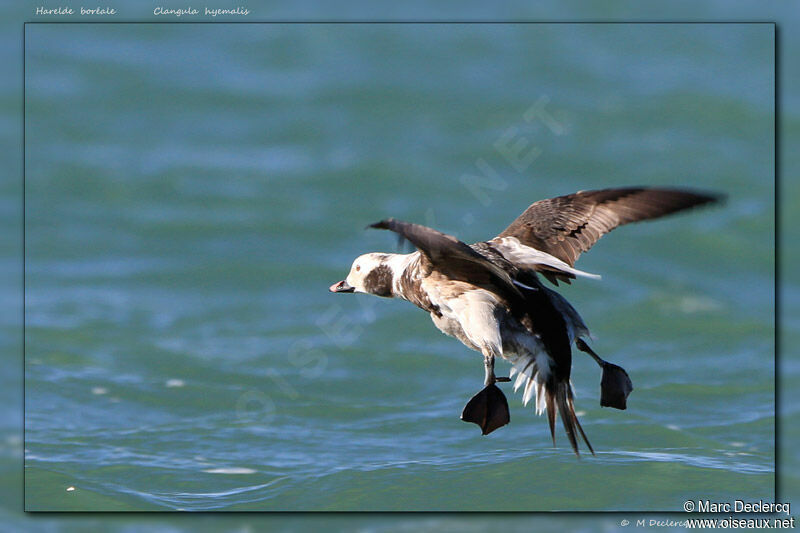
489, 295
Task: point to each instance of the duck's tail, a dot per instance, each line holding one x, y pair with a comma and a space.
561, 399
533, 371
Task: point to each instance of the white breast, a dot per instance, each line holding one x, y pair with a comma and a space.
473, 317
467, 313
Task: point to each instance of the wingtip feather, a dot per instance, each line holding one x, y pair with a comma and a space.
381, 224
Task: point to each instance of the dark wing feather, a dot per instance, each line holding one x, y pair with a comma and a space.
567, 226
453, 258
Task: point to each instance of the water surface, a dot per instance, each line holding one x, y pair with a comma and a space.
192, 191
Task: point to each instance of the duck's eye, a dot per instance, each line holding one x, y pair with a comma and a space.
358, 267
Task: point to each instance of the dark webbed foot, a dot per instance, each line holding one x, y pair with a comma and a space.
488, 409
615, 385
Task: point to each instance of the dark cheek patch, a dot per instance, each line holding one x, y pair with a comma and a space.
379, 281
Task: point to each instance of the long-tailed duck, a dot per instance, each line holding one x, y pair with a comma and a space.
489, 296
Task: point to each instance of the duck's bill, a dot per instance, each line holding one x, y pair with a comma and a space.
342, 286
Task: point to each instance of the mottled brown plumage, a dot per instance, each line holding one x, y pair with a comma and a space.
379, 281
567, 226
453, 258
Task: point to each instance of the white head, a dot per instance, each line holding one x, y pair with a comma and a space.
371, 273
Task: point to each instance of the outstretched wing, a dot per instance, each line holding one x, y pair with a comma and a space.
567, 226
453, 258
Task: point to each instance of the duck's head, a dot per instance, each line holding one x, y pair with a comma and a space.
371, 273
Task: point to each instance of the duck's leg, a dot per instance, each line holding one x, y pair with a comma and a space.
615, 386
488, 408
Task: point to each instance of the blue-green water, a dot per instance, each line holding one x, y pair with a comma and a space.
192, 191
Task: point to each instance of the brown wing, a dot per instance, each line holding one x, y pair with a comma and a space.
453, 258
569, 225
